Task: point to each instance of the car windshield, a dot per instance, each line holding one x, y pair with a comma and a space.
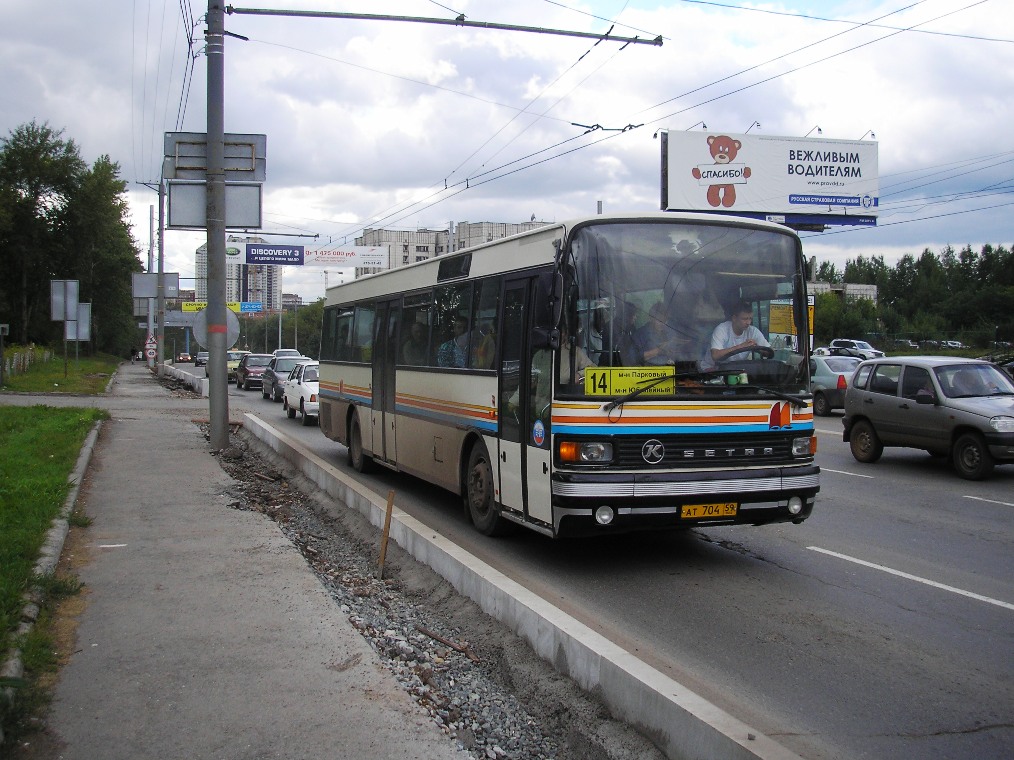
258, 361
236, 355
864, 345
286, 364
973, 380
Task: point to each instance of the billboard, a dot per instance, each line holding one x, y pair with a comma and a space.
350, 256
297, 255
779, 178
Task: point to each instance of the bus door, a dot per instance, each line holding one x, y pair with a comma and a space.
525, 441
385, 342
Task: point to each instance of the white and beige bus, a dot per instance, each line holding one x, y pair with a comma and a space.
563, 379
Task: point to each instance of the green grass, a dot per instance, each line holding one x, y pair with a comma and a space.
39, 447
87, 374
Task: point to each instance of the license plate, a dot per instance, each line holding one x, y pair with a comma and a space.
697, 511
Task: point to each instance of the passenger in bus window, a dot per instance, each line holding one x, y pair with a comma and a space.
454, 352
656, 342
413, 351
485, 350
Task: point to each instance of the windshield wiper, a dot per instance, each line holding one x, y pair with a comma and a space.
797, 401
649, 384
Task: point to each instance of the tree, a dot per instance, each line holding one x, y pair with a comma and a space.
97, 239
39, 172
61, 220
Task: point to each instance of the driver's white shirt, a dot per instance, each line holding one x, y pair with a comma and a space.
723, 337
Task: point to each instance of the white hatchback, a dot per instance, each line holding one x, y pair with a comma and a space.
300, 391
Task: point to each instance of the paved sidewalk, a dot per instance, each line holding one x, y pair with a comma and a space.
205, 634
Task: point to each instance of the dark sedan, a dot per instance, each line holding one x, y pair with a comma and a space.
251, 368
276, 373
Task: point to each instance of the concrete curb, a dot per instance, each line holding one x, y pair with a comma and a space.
685, 725
195, 382
49, 556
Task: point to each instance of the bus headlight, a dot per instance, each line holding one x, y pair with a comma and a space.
585, 452
804, 447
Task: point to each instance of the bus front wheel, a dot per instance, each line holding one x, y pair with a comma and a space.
479, 493
359, 460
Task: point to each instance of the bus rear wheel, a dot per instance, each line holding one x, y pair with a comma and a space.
479, 494
360, 461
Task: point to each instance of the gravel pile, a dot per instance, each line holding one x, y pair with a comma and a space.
482, 685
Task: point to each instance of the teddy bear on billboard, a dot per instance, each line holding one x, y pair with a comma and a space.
724, 151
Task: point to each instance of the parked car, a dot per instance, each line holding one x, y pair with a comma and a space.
952, 344
286, 352
959, 408
829, 376
276, 373
201, 360
851, 347
183, 357
300, 392
250, 369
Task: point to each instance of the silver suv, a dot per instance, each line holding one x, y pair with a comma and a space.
850, 347
959, 408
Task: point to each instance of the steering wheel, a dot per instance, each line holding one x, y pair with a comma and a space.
766, 352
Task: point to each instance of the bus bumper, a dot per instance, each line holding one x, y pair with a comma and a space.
650, 501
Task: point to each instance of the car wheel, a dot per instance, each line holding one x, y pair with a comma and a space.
971, 457
865, 444
360, 461
264, 390
276, 395
820, 405
290, 410
479, 494
246, 384
304, 418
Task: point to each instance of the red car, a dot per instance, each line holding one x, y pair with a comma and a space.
250, 369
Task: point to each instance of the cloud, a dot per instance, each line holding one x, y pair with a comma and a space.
371, 119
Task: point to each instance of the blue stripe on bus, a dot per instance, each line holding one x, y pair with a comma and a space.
362, 400
489, 426
609, 430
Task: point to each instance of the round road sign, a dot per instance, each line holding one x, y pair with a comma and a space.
150, 353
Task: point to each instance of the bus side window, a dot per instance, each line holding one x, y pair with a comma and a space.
453, 304
342, 331
415, 333
361, 345
487, 293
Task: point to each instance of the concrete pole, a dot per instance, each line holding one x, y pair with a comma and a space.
151, 301
160, 356
218, 392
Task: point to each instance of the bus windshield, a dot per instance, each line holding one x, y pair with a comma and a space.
716, 306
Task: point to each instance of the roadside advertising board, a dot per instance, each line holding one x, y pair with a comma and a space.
296, 255
768, 176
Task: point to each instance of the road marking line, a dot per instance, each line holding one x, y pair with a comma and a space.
828, 432
989, 501
844, 472
910, 577
111, 546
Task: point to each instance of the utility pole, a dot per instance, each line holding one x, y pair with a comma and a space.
218, 393
160, 307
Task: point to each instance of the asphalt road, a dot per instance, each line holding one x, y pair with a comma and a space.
883, 627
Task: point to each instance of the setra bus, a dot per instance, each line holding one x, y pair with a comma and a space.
515, 374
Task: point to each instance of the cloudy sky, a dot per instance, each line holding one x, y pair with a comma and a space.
409, 125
